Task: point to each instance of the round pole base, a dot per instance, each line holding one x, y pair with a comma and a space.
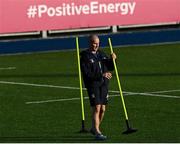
129, 131
83, 131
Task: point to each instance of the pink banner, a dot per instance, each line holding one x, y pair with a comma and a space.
35, 15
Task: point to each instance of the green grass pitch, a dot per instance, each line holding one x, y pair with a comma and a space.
39, 99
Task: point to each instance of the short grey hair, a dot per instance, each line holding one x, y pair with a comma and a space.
93, 37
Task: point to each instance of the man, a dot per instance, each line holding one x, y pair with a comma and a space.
96, 67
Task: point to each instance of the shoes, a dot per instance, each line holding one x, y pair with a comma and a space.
93, 131
100, 137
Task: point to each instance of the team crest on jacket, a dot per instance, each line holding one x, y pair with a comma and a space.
91, 61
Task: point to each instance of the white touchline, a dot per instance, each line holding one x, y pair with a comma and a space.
38, 85
72, 99
7, 68
76, 88
55, 100
45, 85
164, 91
59, 100
154, 95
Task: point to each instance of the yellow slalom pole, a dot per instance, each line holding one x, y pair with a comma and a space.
118, 80
129, 130
80, 85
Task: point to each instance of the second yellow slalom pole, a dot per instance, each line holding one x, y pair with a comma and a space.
80, 85
129, 129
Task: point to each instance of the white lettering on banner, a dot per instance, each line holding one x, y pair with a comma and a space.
124, 8
41, 9
94, 8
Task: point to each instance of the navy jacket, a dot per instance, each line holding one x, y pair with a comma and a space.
93, 66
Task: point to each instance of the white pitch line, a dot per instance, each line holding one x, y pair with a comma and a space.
75, 88
71, 99
160, 95
39, 85
7, 68
55, 100
164, 91
150, 94
45, 85
60, 100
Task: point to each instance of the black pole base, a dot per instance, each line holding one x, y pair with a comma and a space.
83, 130
129, 131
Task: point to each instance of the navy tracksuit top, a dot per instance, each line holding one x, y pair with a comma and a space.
93, 66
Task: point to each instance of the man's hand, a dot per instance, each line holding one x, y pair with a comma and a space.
113, 56
107, 75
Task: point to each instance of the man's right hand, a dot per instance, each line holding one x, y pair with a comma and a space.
107, 75
113, 55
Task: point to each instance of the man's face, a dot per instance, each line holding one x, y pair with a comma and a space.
95, 44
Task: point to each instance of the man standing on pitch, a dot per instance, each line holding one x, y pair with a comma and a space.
96, 67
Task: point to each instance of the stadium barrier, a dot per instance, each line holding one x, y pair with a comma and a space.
80, 31
148, 25
118, 39
20, 34
48, 33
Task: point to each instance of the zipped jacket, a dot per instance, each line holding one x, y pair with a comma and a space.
93, 66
